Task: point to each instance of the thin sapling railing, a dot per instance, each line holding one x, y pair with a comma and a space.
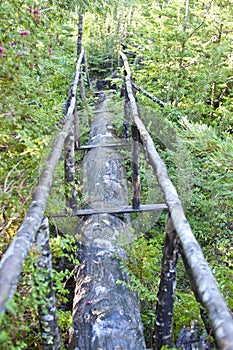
179, 236
35, 229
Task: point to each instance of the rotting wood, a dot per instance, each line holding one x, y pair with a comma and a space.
14, 257
165, 297
135, 165
50, 337
106, 313
153, 98
219, 314
118, 210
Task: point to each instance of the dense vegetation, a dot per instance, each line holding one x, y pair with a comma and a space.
179, 51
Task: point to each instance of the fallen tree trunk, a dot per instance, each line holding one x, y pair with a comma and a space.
105, 312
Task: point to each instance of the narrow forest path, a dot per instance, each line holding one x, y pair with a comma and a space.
106, 313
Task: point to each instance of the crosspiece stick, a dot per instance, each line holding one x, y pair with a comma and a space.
119, 210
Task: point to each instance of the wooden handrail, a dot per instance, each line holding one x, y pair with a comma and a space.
208, 291
14, 257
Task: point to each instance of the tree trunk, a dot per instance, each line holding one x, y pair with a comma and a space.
105, 312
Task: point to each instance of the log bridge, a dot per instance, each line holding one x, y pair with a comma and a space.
106, 314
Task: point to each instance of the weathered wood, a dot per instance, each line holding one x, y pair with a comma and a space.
82, 90
119, 210
114, 145
14, 257
69, 168
208, 291
80, 33
146, 93
50, 337
105, 313
203, 312
88, 80
99, 111
165, 297
125, 127
76, 129
135, 165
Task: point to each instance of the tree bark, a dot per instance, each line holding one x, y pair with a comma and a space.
208, 291
105, 311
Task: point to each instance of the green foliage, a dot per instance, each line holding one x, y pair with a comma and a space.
188, 67
20, 325
37, 62
210, 209
143, 265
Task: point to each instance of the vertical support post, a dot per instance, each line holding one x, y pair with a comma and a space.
82, 90
125, 126
69, 164
47, 311
135, 164
80, 33
88, 81
165, 298
76, 129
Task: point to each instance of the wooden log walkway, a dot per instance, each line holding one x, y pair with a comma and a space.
106, 313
